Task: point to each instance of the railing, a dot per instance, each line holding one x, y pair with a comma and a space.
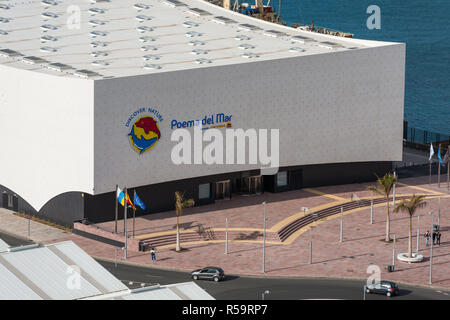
423, 136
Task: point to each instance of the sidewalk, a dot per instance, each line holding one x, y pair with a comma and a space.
362, 246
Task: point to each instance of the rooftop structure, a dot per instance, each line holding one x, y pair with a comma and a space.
104, 39
36, 272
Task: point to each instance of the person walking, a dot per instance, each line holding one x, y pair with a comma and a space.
153, 254
427, 237
434, 237
438, 238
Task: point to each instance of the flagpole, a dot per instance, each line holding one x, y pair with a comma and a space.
439, 168
448, 167
430, 173
117, 207
125, 204
134, 211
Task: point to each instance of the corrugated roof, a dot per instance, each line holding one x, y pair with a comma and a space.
47, 272
177, 291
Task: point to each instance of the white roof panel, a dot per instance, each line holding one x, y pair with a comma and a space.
3, 246
48, 272
192, 290
12, 288
116, 25
88, 265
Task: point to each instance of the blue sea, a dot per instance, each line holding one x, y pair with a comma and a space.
424, 25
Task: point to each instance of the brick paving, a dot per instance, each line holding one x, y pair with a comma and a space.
362, 246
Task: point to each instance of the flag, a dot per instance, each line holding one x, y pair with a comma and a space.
127, 197
445, 160
431, 151
439, 154
120, 196
138, 201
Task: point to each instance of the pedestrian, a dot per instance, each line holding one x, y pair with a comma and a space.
434, 237
438, 238
427, 237
153, 254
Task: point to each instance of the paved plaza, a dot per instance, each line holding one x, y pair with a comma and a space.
362, 244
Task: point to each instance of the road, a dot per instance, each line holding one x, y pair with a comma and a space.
251, 288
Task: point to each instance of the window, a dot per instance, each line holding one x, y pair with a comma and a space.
282, 179
204, 191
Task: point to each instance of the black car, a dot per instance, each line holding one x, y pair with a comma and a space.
209, 273
388, 288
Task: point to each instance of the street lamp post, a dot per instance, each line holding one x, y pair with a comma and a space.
393, 198
226, 235
314, 215
418, 233
371, 211
431, 248
393, 252
264, 241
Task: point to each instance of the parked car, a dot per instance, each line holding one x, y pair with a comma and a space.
209, 273
388, 288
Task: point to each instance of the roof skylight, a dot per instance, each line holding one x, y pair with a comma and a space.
202, 60
242, 37
143, 18
152, 66
301, 39
274, 33
250, 55
48, 38
98, 44
151, 57
48, 49
9, 53
199, 51
149, 48
174, 3
60, 67
190, 24
147, 39
98, 34
144, 29
198, 12
141, 6
99, 53
223, 20
193, 34
33, 60
249, 27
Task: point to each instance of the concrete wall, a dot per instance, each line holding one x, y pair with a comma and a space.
330, 108
46, 125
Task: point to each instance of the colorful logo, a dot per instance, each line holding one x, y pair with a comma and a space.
144, 134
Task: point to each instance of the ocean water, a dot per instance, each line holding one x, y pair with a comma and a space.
424, 25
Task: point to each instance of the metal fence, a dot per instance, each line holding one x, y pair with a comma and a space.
423, 136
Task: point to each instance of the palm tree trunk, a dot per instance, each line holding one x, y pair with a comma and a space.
177, 248
388, 223
410, 238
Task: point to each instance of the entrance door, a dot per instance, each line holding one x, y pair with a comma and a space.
223, 190
252, 185
297, 179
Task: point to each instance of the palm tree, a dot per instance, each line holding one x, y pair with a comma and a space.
410, 206
180, 204
384, 186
